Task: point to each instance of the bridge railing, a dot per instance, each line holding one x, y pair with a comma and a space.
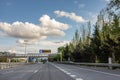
17, 55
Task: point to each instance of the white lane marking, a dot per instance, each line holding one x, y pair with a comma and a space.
35, 71
73, 75
68, 73
78, 79
101, 72
64, 71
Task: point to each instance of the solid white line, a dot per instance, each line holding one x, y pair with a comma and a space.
73, 75
68, 73
78, 79
101, 72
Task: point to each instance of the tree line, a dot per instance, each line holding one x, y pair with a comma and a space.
98, 44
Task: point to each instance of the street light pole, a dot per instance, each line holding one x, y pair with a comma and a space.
26, 52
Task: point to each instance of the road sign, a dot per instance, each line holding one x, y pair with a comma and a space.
45, 51
40, 51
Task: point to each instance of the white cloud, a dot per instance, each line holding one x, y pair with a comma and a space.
54, 44
106, 0
21, 30
72, 16
2, 34
54, 32
32, 32
52, 23
28, 42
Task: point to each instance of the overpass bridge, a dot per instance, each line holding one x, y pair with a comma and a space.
36, 55
27, 56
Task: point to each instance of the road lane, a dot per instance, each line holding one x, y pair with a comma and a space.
34, 72
18, 73
52, 71
90, 73
49, 72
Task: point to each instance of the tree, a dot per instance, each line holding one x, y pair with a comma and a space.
67, 53
105, 41
96, 43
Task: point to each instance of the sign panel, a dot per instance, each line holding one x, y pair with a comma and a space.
40, 51
44, 51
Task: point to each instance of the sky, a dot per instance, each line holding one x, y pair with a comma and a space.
43, 24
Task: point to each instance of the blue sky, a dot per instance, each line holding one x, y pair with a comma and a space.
43, 24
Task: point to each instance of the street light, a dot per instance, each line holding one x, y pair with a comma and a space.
26, 49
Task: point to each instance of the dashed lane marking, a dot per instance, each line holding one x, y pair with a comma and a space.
78, 79
35, 71
101, 72
73, 75
68, 73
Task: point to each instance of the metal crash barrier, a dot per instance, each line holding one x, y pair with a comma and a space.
110, 66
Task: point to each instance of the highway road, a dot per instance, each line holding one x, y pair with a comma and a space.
53, 71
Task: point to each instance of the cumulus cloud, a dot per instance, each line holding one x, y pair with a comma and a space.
32, 32
72, 16
54, 32
27, 41
54, 43
52, 23
21, 30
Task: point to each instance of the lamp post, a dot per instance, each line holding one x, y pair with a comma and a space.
26, 52
26, 49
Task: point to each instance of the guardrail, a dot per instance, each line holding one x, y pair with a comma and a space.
9, 65
110, 66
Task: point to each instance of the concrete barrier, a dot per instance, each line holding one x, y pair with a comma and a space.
10, 65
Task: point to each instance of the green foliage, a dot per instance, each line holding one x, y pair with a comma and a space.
57, 57
3, 59
102, 44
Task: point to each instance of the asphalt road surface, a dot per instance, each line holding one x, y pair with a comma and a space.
52, 71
